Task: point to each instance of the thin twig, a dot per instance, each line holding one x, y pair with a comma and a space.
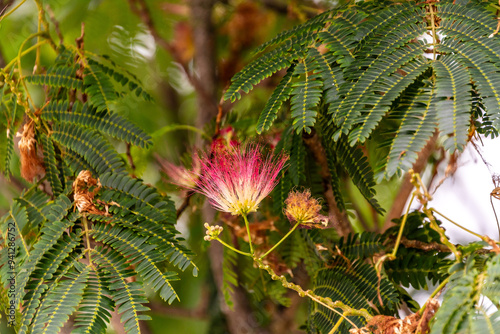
56, 24
185, 204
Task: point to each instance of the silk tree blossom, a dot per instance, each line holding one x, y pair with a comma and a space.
236, 180
180, 175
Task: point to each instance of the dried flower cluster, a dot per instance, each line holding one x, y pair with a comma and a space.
238, 179
85, 187
303, 209
31, 163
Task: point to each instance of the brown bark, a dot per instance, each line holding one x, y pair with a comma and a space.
204, 59
240, 319
337, 218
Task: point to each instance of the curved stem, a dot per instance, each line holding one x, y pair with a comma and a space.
279, 242
12, 10
456, 224
232, 248
434, 293
25, 52
247, 225
493, 207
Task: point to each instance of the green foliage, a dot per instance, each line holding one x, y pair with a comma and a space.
92, 246
361, 246
354, 284
461, 310
367, 67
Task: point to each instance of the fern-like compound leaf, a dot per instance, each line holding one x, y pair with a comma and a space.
99, 88
62, 76
105, 122
61, 301
260, 69
51, 165
417, 114
90, 146
157, 215
280, 95
94, 311
50, 233
306, 95
120, 75
128, 296
356, 164
48, 265
454, 101
142, 255
361, 246
355, 285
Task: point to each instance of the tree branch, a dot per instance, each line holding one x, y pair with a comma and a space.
140, 8
337, 219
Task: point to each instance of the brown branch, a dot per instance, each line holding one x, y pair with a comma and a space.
432, 246
185, 204
241, 318
406, 186
205, 58
130, 159
337, 219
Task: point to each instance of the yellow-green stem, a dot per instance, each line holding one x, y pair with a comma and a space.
337, 325
247, 225
232, 248
12, 10
87, 237
25, 52
456, 224
326, 302
279, 242
434, 293
400, 234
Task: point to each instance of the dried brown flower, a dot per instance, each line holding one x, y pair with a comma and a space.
85, 187
31, 163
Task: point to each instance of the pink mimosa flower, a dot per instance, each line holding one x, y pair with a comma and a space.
180, 175
238, 179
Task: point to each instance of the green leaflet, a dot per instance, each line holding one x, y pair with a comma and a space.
128, 296
280, 95
306, 95
90, 146
453, 105
356, 286
417, 115
461, 309
94, 311
57, 77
